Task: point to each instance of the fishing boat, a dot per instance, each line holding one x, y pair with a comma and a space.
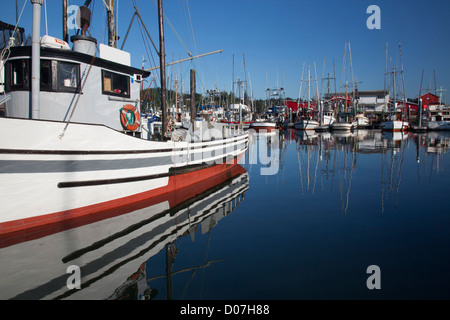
395, 126
72, 143
362, 121
438, 119
344, 123
120, 241
343, 126
395, 121
306, 124
263, 124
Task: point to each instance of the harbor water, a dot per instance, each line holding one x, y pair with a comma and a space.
305, 215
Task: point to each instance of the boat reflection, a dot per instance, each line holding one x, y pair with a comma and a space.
111, 254
329, 159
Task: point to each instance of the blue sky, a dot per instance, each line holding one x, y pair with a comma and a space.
277, 37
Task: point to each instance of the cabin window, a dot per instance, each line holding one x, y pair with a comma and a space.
46, 75
68, 77
17, 75
115, 84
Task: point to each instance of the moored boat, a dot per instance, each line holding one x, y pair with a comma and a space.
343, 126
76, 147
395, 126
263, 125
362, 121
306, 124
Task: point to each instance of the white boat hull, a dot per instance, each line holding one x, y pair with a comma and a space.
128, 238
342, 126
362, 121
46, 178
269, 126
438, 125
306, 125
395, 126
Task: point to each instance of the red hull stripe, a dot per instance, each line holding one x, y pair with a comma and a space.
179, 188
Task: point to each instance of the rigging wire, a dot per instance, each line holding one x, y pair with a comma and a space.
174, 31
6, 51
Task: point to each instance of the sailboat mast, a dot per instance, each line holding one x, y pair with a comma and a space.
403, 76
385, 75
162, 60
353, 80
309, 85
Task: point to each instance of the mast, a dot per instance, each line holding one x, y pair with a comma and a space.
36, 60
111, 23
318, 102
300, 91
162, 60
353, 80
309, 85
385, 75
233, 83
65, 28
403, 77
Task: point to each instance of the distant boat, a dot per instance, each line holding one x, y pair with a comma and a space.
306, 124
393, 124
439, 119
261, 124
438, 125
362, 121
343, 126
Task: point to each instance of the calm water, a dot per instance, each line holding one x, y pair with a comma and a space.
303, 218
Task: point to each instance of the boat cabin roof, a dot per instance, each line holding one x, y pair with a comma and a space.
25, 51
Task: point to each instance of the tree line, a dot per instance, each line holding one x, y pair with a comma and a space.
151, 98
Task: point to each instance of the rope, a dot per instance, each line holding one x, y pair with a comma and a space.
78, 98
174, 31
6, 51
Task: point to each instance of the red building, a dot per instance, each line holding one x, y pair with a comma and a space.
294, 105
429, 99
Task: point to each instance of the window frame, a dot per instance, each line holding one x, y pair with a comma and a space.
25, 73
56, 84
115, 74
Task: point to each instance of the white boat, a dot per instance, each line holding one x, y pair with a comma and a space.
260, 125
439, 118
343, 123
343, 126
438, 125
395, 126
328, 119
110, 251
362, 121
306, 124
75, 148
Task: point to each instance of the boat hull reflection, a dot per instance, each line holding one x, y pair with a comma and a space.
108, 252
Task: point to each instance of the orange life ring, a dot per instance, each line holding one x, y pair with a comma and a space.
129, 117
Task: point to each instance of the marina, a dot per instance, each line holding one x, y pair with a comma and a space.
229, 242
146, 181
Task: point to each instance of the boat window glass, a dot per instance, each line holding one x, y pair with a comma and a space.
17, 72
68, 76
115, 84
46, 75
